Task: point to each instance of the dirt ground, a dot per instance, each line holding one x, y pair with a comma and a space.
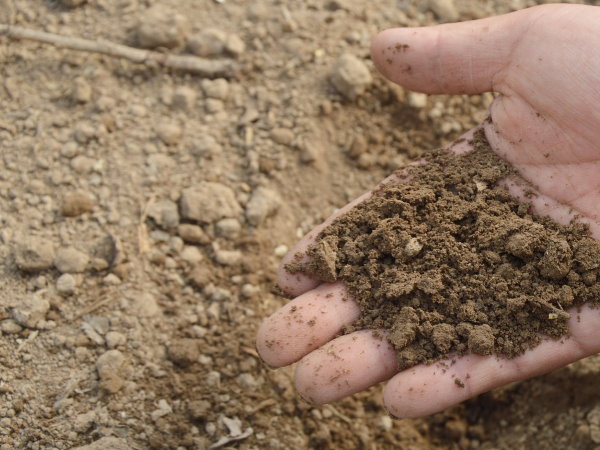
144, 212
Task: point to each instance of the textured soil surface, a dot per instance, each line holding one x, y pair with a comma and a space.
144, 213
449, 263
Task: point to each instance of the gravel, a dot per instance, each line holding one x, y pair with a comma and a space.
34, 254
71, 260
350, 76
208, 202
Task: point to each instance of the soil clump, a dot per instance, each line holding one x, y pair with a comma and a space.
450, 263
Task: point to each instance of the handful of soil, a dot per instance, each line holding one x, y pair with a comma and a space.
450, 263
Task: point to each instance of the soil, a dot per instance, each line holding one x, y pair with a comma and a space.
129, 301
448, 262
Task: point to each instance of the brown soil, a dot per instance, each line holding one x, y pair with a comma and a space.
147, 338
449, 263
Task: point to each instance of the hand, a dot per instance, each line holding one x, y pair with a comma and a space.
545, 64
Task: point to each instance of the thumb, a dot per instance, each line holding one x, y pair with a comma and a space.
457, 58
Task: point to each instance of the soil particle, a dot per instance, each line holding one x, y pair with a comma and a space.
164, 213
160, 27
208, 202
34, 254
192, 234
76, 203
71, 260
184, 352
450, 265
263, 203
31, 311
350, 76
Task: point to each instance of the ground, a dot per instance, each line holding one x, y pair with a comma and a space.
144, 213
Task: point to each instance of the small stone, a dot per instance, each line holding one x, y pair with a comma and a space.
163, 409
217, 89
71, 260
110, 366
34, 254
413, 247
145, 305
84, 132
184, 98
358, 147
281, 250
82, 91
184, 352
9, 326
191, 255
214, 106
213, 378
249, 290
350, 76
73, 3
31, 311
228, 228
159, 26
228, 257
366, 161
114, 339
199, 409
263, 203
169, 133
445, 10
417, 100
164, 213
247, 381
111, 280
208, 202
192, 234
66, 284
84, 422
206, 146
76, 203
106, 443
234, 45
283, 136
386, 423
208, 43
200, 277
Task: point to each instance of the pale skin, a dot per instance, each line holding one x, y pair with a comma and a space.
544, 63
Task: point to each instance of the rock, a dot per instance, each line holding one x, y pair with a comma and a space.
66, 284
169, 133
208, 202
417, 100
110, 367
73, 3
206, 146
217, 89
227, 257
82, 164
34, 254
228, 228
213, 378
234, 45
207, 43
145, 305
31, 311
283, 136
159, 26
281, 250
76, 203
71, 260
9, 326
413, 247
83, 422
249, 290
350, 76
163, 409
199, 409
445, 10
247, 381
192, 234
114, 339
111, 280
165, 214
263, 203
106, 443
82, 91
184, 352
200, 277
184, 98
191, 255
358, 147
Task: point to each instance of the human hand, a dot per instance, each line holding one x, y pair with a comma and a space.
545, 64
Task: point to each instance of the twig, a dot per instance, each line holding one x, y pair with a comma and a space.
186, 63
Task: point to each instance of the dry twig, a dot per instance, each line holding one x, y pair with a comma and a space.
186, 63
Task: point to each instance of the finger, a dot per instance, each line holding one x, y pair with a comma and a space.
458, 58
304, 324
295, 284
346, 365
424, 390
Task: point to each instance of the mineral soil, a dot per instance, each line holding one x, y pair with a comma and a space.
449, 263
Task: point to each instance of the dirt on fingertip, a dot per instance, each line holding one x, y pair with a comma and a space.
450, 263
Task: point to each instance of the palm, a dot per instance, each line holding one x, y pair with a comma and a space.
545, 65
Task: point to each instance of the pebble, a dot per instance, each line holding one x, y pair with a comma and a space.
192, 234
213, 378
109, 366
164, 213
249, 290
34, 254
66, 284
281, 250
199, 277
263, 203
386, 423
208, 202
413, 247
163, 409
85, 132
145, 305
184, 98
106, 443
159, 26
82, 91
350, 76
214, 106
593, 418
114, 339
228, 257
169, 133
111, 280
184, 352
191, 255
71, 260
445, 10
76, 203
92, 334
82, 164
247, 381
234, 45
207, 43
206, 146
31, 311
199, 409
217, 89
283, 136
417, 100
9, 326
228, 228
73, 3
